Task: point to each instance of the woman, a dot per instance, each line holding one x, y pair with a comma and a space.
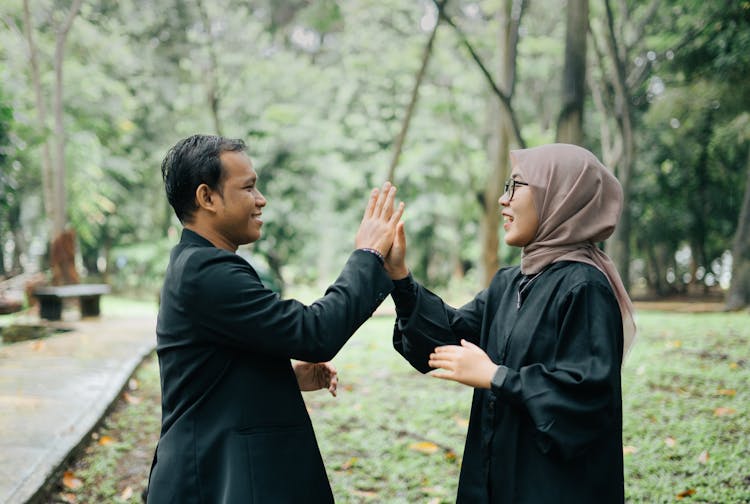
542, 346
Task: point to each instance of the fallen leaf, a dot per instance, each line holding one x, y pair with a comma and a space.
127, 493
674, 344
450, 455
365, 493
727, 392
629, 450
461, 422
703, 457
435, 490
69, 498
130, 398
424, 447
724, 411
133, 384
670, 441
733, 365
106, 440
686, 493
70, 481
349, 464
37, 346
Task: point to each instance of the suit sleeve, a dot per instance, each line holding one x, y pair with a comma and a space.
575, 397
228, 301
425, 321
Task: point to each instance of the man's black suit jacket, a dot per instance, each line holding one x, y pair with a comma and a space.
235, 428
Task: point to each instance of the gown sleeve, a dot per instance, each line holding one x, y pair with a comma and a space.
424, 321
574, 397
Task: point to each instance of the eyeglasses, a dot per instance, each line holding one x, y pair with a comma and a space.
510, 187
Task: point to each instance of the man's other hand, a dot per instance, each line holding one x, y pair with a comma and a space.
316, 376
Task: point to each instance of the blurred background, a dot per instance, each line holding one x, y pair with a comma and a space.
334, 97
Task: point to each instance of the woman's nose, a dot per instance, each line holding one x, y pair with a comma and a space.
504, 200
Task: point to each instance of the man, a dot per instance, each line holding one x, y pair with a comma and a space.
235, 428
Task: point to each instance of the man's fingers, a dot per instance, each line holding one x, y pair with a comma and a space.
371, 203
389, 200
382, 197
333, 386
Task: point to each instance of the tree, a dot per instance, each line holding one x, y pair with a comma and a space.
54, 172
501, 136
570, 120
739, 291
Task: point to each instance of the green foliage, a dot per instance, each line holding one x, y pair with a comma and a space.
319, 90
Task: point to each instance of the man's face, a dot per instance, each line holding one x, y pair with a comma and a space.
240, 205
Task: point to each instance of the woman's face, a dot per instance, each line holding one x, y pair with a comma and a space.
520, 215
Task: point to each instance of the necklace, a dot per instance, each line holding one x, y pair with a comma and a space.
523, 285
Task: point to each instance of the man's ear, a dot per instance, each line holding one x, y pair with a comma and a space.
205, 198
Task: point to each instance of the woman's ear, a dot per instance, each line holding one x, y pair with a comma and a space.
205, 198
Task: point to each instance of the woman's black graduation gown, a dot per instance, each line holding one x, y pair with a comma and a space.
552, 431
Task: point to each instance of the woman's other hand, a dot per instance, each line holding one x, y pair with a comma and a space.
467, 364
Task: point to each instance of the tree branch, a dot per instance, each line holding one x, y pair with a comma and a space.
415, 93
504, 99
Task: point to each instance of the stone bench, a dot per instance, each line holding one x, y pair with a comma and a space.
51, 299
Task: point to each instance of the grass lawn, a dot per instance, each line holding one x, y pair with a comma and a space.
395, 436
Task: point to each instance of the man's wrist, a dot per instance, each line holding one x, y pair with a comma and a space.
374, 252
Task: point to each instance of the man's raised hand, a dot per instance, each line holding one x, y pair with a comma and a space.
378, 226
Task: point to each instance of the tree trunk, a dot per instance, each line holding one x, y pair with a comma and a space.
570, 121
41, 110
619, 243
60, 217
210, 76
502, 131
739, 290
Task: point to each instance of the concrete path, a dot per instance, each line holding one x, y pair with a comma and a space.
54, 391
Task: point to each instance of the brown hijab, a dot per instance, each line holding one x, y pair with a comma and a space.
579, 202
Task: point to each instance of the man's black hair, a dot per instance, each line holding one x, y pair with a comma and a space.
193, 161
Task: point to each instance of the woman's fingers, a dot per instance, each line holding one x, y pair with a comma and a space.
443, 376
396, 216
